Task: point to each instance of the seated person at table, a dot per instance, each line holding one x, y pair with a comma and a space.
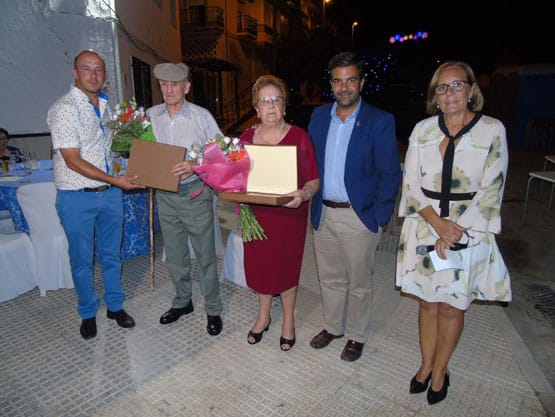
89, 199
8, 152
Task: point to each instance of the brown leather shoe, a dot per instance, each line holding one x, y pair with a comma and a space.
352, 351
322, 339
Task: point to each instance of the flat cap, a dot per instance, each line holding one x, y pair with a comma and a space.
171, 72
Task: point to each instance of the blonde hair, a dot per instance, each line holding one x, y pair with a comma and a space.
476, 99
265, 80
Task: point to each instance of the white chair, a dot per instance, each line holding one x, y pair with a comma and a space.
548, 159
17, 260
6, 222
548, 176
233, 268
49, 241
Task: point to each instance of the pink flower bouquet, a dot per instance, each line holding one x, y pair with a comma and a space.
224, 171
225, 166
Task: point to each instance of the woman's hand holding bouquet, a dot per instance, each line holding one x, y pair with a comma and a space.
224, 165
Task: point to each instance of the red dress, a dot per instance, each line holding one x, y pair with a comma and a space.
273, 265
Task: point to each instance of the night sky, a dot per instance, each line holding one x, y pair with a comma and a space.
484, 33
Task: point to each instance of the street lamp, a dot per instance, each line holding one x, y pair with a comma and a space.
324, 11
355, 23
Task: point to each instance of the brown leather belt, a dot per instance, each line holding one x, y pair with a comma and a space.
336, 204
96, 189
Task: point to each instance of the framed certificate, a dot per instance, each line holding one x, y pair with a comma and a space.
273, 173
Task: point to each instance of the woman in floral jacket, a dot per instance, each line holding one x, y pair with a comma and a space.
455, 172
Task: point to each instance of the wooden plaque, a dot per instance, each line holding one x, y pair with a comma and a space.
255, 198
152, 162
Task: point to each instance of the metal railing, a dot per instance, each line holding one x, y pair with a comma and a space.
196, 17
246, 25
238, 110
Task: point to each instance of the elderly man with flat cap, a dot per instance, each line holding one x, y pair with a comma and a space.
179, 122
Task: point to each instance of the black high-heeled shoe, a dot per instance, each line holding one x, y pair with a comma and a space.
437, 396
289, 342
417, 387
258, 336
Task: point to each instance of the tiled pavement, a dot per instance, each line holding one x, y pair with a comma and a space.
47, 369
178, 370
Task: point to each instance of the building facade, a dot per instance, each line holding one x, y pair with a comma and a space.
230, 43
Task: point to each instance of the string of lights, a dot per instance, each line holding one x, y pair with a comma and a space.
409, 37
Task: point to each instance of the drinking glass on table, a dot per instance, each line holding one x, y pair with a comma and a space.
11, 164
25, 161
116, 165
33, 161
119, 163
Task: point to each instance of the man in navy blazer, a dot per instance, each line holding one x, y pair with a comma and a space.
360, 171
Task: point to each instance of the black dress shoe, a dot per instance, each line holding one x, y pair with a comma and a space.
173, 314
214, 326
416, 387
352, 351
122, 318
88, 328
437, 396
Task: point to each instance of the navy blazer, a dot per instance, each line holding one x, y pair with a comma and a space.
372, 165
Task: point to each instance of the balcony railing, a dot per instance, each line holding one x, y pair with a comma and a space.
266, 35
246, 26
202, 20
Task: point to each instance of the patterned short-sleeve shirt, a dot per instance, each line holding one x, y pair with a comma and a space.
73, 123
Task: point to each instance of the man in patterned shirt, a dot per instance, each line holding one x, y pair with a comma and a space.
89, 199
179, 122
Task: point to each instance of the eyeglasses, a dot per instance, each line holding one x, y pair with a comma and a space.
349, 81
266, 101
457, 85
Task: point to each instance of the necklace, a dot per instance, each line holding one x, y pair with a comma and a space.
272, 138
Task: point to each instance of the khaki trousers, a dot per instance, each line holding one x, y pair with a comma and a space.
181, 219
345, 252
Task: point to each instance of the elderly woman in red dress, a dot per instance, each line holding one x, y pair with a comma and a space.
273, 266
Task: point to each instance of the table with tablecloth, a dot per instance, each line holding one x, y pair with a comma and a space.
136, 233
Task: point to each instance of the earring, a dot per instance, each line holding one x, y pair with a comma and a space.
284, 113
469, 99
437, 105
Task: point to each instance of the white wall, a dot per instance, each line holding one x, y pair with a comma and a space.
37, 48
41, 38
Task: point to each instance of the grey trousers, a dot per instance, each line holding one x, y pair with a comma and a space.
183, 218
345, 258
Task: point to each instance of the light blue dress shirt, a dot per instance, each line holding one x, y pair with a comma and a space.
339, 136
